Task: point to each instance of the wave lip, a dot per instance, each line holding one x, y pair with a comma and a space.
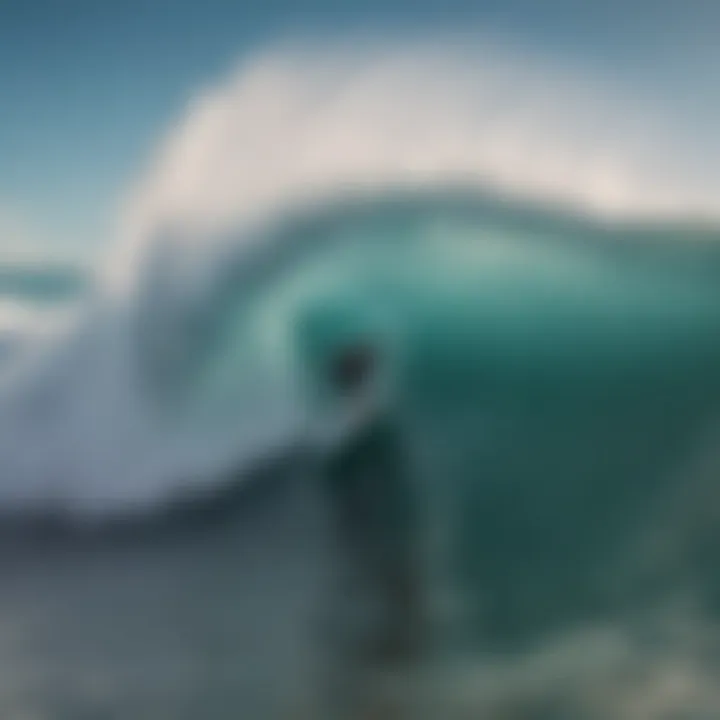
312, 120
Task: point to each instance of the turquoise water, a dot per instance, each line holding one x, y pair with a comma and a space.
557, 385
556, 380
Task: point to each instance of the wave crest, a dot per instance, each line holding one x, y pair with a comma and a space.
317, 119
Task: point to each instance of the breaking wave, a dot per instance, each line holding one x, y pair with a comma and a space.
494, 220
536, 259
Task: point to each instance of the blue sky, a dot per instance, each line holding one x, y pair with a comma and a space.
88, 87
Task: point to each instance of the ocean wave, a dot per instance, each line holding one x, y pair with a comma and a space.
392, 187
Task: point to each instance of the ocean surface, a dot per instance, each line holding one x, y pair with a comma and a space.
558, 388
554, 371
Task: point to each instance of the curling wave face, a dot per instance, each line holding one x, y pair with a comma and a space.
300, 204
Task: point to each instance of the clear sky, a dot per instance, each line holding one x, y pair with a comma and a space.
88, 87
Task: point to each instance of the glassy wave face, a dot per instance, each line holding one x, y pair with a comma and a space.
486, 310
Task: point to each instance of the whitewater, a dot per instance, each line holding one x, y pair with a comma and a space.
432, 193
